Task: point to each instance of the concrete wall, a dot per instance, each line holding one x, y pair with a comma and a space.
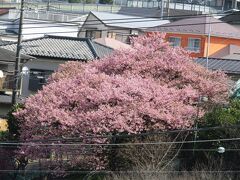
218, 43
40, 64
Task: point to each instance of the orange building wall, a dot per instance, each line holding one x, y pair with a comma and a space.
184, 42
216, 43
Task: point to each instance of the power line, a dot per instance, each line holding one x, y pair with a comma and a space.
151, 133
110, 30
108, 171
143, 19
125, 147
116, 144
120, 19
124, 22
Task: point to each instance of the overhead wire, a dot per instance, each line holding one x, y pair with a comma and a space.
131, 22
108, 171
148, 133
126, 148
32, 144
125, 20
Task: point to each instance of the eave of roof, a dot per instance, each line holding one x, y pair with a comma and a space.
120, 22
229, 66
59, 47
199, 25
211, 35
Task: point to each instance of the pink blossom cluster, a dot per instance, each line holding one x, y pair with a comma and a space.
152, 86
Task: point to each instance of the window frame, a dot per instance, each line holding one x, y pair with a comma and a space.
171, 43
111, 34
92, 33
193, 48
38, 76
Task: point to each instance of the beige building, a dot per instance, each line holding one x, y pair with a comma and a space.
116, 26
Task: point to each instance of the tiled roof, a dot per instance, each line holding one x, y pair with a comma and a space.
125, 21
199, 25
68, 48
227, 65
10, 56
101, 50
4, 42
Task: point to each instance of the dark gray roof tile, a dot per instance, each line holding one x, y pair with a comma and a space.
60, 47
227, 65
10, 56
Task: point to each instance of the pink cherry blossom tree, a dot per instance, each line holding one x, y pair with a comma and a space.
150, 87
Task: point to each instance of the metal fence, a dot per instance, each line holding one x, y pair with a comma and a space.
115, 7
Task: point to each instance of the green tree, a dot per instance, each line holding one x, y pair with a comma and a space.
227, 121
74, 1
13, 123
105, 1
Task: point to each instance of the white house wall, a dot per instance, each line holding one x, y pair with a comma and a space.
41, 64
92, 23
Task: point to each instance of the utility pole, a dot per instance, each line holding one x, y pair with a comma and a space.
48, 5
18, 57
208, 40
162, 8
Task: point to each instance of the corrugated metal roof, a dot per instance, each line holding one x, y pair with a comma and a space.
200, 25
125, 21
227, 65
60, 47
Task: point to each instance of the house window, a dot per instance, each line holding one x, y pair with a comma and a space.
194, 44
93, 34
175, 41
38, 78
112, 35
